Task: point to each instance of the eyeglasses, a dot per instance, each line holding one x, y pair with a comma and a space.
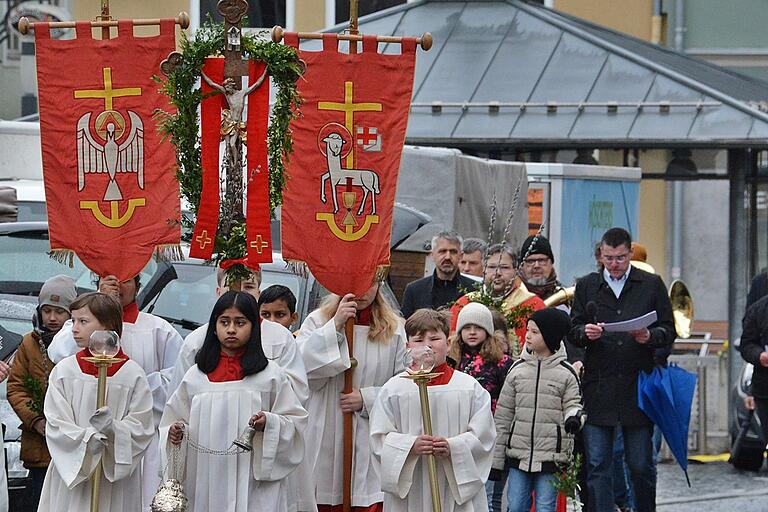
621, 258
502, 268
536, 261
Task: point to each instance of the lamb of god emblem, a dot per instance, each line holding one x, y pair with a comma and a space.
112, 146
337, 145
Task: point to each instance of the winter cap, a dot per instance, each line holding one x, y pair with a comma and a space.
553, 324
475, 313
540, 247
59, 291
639, 252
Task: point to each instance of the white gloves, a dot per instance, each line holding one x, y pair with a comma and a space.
101, 420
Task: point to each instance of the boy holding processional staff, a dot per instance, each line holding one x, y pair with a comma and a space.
462, 424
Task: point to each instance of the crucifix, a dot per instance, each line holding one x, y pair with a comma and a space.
233, 128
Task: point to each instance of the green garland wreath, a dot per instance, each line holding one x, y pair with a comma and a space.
181, 86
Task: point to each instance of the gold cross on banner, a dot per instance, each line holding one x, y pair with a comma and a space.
203, 239
107, 93
349, 107
259, 244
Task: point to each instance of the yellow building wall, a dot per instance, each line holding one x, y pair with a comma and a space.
632, 17
652, 222
310, 15
133, 9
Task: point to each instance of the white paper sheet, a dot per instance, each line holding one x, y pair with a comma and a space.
634, 324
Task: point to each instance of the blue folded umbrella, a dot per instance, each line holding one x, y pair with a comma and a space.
665, 396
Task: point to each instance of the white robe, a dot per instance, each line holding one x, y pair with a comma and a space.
76, 447
217, 413
325, 359
461, 413
3, 485
279, 346
154, 345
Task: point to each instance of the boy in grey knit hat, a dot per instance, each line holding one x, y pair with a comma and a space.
28, 377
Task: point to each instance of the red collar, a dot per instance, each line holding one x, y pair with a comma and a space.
131, 313
89, 368
364, 316
445, 378
228, 369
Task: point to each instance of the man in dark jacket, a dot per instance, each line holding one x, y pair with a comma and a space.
446, 284
754, 349
612, 363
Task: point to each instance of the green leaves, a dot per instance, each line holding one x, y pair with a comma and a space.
36, 393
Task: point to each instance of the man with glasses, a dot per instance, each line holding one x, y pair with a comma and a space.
537, 267
502, 281
612, 363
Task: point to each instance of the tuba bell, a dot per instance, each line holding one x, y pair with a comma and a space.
682, 308
561, 296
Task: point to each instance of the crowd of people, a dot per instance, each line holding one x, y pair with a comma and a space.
520, 388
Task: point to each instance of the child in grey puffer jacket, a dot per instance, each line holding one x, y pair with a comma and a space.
537, 414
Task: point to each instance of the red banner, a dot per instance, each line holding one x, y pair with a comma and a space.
342, 176
258, 231
258, 238
110, 182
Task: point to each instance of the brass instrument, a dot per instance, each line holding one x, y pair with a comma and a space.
681, 299
561, 296
682, 308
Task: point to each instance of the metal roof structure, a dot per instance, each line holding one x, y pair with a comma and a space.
508, 73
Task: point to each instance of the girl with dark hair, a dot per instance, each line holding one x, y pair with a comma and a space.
233, 385
79, 435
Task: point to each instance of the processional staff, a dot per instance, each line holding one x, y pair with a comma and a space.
103, 346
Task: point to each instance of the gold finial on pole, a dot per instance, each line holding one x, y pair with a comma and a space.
104, 16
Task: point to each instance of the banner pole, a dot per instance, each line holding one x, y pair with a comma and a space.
350, 331
105, 17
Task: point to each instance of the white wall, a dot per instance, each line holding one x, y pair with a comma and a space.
20, 155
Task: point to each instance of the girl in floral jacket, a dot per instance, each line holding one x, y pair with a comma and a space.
478, 351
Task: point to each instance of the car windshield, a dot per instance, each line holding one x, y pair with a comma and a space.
31, 211
25, 264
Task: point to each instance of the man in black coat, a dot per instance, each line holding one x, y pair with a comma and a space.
446, 284
612, 363
754, 349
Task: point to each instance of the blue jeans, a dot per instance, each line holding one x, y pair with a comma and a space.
638, 453
522, 484
622, 489
494, 492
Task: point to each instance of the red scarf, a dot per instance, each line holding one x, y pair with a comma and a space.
445, 378
364, 316
89, 368
228, 369
131, 313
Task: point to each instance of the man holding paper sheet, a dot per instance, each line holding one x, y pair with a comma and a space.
613, 360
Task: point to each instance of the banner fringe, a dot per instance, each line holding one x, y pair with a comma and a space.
169, 253
297, 267
63, 256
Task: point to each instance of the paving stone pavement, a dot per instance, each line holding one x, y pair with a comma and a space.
715, 487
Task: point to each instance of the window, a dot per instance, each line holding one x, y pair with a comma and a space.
10, 40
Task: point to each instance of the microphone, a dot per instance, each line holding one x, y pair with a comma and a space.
592, 312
